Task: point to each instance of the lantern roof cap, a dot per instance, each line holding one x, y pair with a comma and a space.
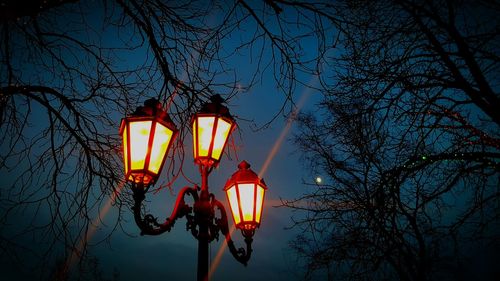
216, 106
152, 108
244, 175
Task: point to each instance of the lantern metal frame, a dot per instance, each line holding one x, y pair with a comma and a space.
218, 111
206, 217
151, 111
245, 176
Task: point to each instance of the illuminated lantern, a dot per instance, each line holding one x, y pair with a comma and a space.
245, 193
211, 129
147, 137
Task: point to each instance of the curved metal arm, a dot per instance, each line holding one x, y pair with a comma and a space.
149, 224
239, 254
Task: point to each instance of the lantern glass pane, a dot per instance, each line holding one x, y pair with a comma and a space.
162, 138
247, 203
205, 128
233, 203
258, 203
221, 136
195, 133
125, 146
139, 138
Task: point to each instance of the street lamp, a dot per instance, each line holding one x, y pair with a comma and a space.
147, 137
245, 193
211, 129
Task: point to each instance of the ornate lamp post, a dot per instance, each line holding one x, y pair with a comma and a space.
147, 137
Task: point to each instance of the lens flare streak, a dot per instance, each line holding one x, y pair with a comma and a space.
77, 252
274, 150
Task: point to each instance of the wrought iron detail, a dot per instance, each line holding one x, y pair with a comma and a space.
202, 215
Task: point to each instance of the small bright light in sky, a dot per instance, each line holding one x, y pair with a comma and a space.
319, 180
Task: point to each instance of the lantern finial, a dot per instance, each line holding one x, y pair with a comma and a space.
244, 165
217, 99
215, 106
152, 103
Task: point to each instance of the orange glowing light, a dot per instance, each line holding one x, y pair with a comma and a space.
211, 130
147, 136
245, 192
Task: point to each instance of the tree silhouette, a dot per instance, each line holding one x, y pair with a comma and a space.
407, 131
407, 137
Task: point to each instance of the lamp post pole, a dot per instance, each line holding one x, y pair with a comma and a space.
204, 212
148, 135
